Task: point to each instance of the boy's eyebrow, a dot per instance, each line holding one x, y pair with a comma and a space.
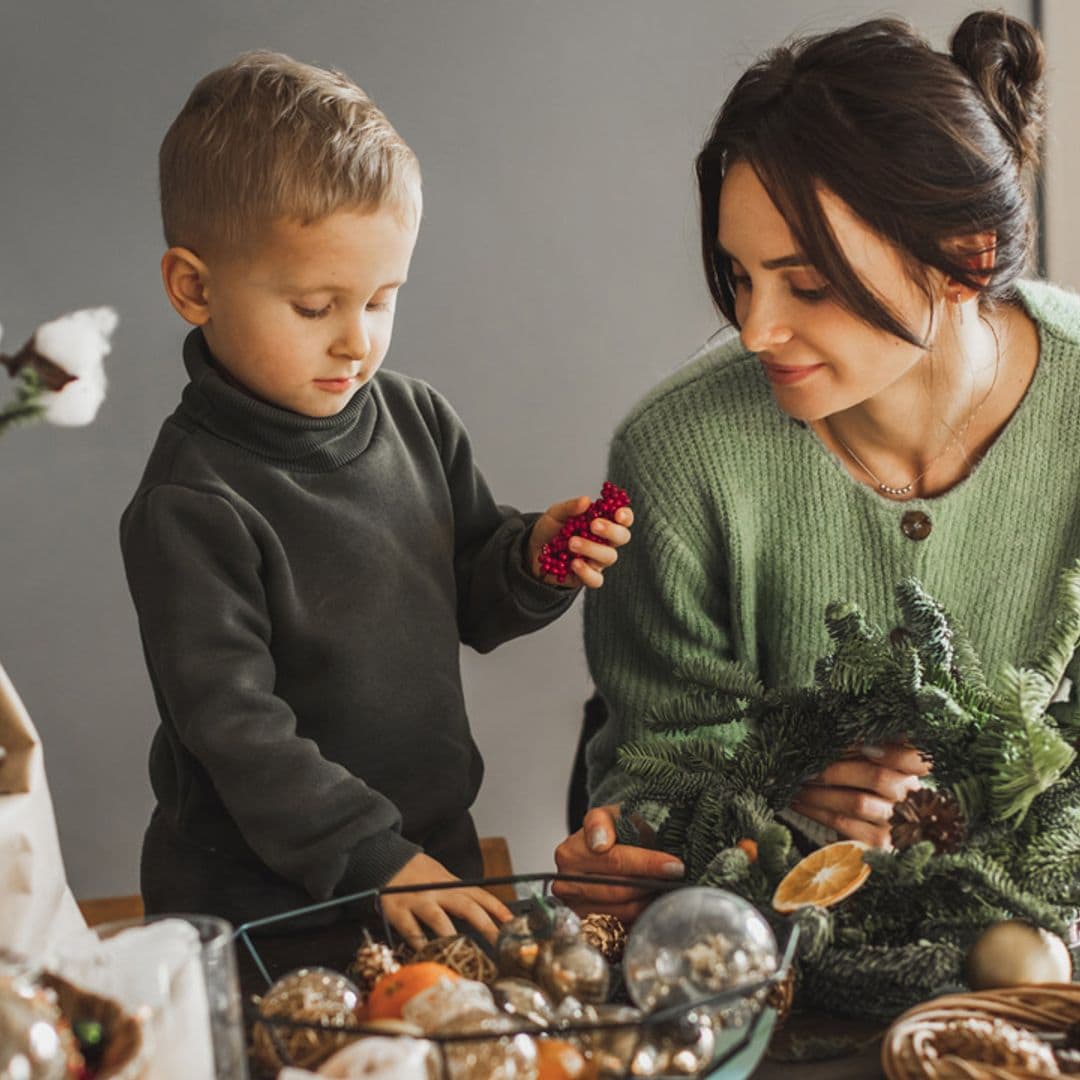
782, 262
299, 287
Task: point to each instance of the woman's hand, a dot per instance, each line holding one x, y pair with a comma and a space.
856, 795
433, 907
593, 850
590, 558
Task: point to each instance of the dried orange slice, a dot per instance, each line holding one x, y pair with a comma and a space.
824, 877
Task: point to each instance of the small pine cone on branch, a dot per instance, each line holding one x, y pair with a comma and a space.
928, 815
606, 934
372, 960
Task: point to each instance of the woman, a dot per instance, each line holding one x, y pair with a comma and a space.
898, 403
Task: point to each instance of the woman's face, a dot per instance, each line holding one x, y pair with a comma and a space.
819, 358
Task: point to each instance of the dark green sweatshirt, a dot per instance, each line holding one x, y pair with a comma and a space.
302, 586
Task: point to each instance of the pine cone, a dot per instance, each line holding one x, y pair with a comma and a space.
605, 933
372, 960
928, 815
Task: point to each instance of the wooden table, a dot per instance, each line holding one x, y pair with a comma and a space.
863, 1063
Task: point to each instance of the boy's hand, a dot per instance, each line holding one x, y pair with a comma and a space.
590, 559
433, 907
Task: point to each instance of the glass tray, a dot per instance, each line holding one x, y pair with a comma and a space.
738, 1052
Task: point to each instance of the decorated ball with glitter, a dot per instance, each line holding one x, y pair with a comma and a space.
696, 943
317, 1002
35, 1043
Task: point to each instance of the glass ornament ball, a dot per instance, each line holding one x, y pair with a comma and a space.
696, 942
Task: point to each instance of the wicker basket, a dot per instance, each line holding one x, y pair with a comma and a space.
989, 1035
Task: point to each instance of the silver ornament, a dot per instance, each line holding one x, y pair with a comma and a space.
516, 948
574, 969
524, 999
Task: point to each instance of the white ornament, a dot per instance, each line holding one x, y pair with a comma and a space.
1015, 953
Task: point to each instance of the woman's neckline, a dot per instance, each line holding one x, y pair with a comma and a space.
990, 435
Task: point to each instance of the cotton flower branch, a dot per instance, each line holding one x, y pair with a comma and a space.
59, 372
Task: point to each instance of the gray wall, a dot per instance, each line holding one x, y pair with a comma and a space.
556, 279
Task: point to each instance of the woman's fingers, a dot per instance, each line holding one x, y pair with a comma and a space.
598, 829
860, 805
850, 828
903, 757
869, 776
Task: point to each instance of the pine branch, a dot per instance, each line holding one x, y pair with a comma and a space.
1063, 634
927, 622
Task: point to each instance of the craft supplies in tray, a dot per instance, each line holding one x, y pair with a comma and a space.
695, 996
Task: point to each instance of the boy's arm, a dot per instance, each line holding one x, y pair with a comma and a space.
498, 596
193, 568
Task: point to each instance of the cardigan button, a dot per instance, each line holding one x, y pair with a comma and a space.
915, 525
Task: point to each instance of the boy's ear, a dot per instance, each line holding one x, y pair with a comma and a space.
185, 277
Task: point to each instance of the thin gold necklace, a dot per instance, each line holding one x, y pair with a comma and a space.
903, 492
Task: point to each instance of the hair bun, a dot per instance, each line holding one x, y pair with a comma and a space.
1005, 59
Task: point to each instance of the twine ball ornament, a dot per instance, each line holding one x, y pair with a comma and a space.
1015, 953
316, 996
461, 954
605, 933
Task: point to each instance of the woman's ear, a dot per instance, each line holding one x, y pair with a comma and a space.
185, 278
979, 252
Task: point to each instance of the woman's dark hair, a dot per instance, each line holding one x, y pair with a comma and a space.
923, 146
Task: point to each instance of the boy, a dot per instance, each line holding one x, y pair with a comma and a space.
309, 543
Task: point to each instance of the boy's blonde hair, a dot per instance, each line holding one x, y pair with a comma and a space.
267, 137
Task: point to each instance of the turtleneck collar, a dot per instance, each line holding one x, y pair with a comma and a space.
312, 444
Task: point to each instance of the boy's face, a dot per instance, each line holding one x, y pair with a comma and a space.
303, 318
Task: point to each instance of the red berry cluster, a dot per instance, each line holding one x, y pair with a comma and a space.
555, 555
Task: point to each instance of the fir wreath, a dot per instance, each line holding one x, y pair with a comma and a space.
721, 760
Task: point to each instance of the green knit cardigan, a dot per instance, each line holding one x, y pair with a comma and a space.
747, 527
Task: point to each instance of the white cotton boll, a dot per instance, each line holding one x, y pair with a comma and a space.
77, 342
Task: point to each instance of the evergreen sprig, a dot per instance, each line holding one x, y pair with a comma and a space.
722, 760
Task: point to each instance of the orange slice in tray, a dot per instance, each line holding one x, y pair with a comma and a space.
824, 877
